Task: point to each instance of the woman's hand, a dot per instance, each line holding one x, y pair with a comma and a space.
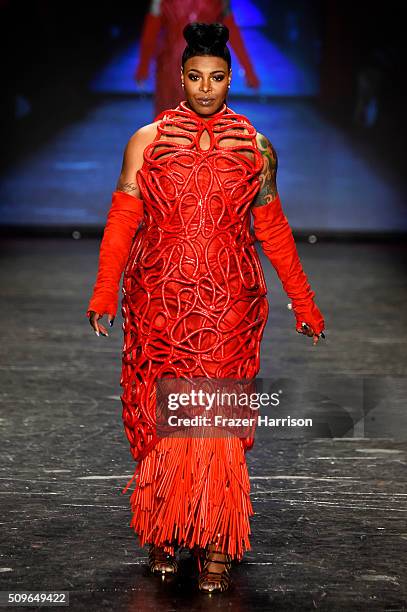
308, 331
98, 328
252, 80
141, 74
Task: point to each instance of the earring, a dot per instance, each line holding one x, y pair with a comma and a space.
228, 85
182, 83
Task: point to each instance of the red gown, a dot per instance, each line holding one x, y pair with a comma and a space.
194, 304
174, 17
162, 37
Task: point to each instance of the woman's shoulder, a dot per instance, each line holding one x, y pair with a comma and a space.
241, 119
144, 134
263, 142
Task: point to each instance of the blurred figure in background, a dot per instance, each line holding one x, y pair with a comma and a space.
162, 38
369, 84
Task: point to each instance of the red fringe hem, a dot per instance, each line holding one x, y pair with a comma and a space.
191, 492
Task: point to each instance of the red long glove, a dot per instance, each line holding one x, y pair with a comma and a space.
123, 220
271, 228
148, 43
239, 48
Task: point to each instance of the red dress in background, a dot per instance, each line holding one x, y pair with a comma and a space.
174, 17
162, 38
194, 304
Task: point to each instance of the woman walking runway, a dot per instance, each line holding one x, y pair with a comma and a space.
162, 38
194, 302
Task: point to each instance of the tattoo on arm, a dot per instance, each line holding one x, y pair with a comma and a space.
268, 186
126, 187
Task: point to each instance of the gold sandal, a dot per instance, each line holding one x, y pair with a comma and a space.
161, 562
215, 581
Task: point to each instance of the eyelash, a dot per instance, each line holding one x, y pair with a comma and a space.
195, 77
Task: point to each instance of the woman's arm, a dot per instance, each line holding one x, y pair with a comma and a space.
122, 223
238, 46
272, 229
268, 177
149, 38
133, 159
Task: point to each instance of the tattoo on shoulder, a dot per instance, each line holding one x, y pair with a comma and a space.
268, 186
126, 187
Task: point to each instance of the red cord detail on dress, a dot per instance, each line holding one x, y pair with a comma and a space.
191, 492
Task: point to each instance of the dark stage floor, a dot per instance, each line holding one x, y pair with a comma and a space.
330, 526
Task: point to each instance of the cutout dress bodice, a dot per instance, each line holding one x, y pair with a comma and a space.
193, 290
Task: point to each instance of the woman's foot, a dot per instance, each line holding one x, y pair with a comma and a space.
215, 575
161, 562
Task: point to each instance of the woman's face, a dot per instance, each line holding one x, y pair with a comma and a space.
206, 79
